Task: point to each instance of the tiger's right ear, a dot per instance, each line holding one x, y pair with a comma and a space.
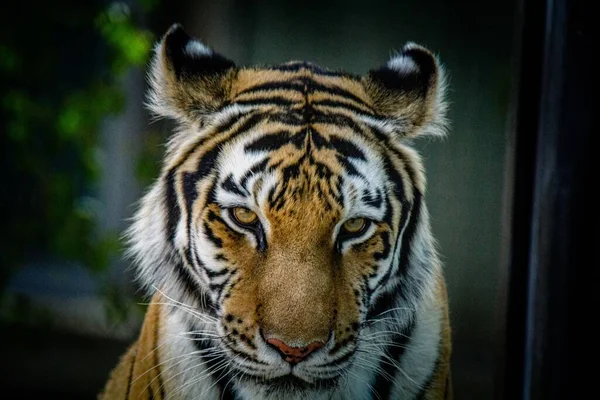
187, 79
409, 93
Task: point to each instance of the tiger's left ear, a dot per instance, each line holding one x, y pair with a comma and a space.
408, 92
188, 80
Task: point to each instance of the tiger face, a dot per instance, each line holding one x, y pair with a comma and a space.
288, 217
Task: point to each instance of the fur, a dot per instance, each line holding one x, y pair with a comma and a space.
305, 149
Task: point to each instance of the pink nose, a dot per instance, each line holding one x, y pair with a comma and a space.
294, 355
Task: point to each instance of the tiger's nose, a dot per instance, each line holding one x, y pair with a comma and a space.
294, 355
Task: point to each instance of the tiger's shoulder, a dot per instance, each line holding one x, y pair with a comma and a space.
137, 374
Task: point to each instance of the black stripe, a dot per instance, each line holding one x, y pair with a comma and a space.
348, 166
337, 91
302, 84
216, 274
273, 100
347, 148
189, 194
406, 210
185, 277
388, 214
337, 362
338, 119
230, 186
217, 289
383, 385
396, 178
409, 233
190, 286
339, 196
270, 141
297, 66
173, 210
226, 125
372, 200
217, 242
221, 257
408, 165
255, 169
384, 302
385, 252
212, 309
157, 364
131, 375
339, 104
274, 85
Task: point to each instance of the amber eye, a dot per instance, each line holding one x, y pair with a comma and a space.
355, 226
243, 216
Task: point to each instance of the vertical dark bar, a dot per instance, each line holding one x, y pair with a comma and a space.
521, 164
553, 215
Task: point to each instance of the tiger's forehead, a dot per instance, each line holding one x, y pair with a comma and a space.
315, 169
299, 83
296, 143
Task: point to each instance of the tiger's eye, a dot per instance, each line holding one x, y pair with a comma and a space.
355, 225
244, 216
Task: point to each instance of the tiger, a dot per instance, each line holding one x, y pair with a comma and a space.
285, 247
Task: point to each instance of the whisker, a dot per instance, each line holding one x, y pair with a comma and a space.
372, 321
384, 333
230, 379
218, 367
200, 376
399, 368
371, 388
183, 357
192, 311
208, 334
396, 309
183, 304
384, 343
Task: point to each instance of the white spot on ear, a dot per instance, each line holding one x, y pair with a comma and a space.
412, 46
403, 65
197, 49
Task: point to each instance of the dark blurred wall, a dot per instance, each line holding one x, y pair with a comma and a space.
465, 170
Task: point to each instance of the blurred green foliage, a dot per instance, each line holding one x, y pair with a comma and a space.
61, 65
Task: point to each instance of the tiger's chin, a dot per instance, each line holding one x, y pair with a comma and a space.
291, 385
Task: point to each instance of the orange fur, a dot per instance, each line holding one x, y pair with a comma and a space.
299, 288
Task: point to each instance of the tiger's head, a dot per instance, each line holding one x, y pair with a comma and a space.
289, 215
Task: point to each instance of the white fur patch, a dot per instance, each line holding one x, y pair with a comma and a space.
196, 49
419, 358
403, 65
